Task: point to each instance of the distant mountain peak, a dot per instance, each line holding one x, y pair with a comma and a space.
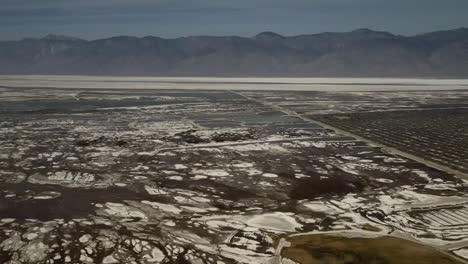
55, 37
268, 35
366, 32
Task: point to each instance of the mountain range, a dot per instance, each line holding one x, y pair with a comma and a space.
359, 53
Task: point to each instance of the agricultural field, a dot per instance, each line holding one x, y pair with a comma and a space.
429, 125
221, 176
439, 135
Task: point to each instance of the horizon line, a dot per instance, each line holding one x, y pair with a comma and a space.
231, 35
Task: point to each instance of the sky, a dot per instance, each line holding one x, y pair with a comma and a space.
94, 19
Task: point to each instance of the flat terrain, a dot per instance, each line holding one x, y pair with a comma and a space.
209, 83
324, 249
438, 135
431, 125
216, 176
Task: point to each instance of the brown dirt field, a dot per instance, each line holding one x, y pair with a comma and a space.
327, 249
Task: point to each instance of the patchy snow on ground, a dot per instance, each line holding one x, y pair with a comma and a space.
418, 197
382, 180
173, 126
461, 253
211, 172
194, 209
423, 175
243, 165
441, 186
206, 134
270, 175
244, 255
176, 178
277, 221
252, 172
163, 207
180, 167
43, 197
319, 144
154, 191
321, 207
121, 210
72, 177
257, 147
221, 222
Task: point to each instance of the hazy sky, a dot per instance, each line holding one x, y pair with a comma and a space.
93, 19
